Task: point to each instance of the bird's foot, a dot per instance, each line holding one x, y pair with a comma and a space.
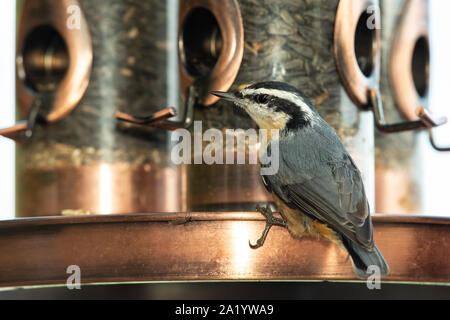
270, 222
270, 219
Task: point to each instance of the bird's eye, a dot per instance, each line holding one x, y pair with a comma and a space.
262, 98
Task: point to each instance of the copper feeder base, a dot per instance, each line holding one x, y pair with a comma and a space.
209, 247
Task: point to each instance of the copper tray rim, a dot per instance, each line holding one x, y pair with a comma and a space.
197, 217
40, 226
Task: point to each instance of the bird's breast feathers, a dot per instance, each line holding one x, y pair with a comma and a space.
300, 225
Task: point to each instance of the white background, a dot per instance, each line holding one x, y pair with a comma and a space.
437, 169
437, 165
7, 34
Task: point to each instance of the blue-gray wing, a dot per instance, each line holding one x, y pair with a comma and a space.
317, 176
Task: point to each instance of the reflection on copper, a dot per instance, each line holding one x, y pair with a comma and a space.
105, 190
99, 188
213, 189
241, 251
232, 187
412, 249
69, 92
333, 255
184, 189
172, 189
222, 76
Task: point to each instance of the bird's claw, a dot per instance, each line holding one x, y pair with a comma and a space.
255, 246
261, 240
270, 221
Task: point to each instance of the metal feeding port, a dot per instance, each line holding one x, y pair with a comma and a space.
53, 65
210, 46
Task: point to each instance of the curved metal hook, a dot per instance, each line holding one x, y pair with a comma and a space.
161, 118
427, 120
151, 120
425, 116
434, 144
383, 126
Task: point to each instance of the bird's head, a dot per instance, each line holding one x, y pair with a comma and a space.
274, 105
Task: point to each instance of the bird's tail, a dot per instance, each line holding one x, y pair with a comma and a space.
364, 260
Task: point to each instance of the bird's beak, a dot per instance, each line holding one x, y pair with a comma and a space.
227, 96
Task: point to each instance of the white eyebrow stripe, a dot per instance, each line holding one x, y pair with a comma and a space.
285, 95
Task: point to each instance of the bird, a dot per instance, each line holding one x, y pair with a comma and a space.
318, 189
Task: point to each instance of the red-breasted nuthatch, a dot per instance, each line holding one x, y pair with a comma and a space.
318, 188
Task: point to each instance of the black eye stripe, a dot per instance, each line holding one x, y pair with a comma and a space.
262, 98
279, 104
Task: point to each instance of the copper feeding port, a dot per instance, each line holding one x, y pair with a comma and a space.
210, 46
42, 67
200, 42
53, 65
200, 46
410, 60
52, 58
357, 49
